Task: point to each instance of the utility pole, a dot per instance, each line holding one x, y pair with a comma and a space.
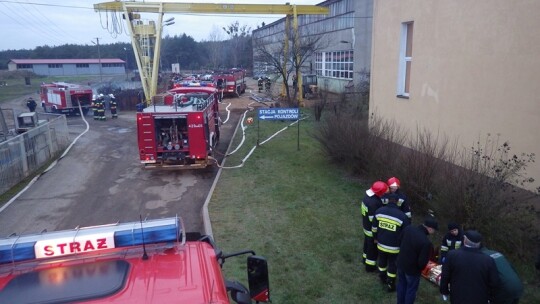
99, 58
127, 69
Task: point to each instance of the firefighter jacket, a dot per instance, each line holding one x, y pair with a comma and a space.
511, 287
388, 224
402, 201
450, 242
414, 250
370, 204
472, 275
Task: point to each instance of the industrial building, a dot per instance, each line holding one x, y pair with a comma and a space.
342, 56
69, 67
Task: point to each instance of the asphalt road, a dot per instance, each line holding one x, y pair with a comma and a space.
101, 181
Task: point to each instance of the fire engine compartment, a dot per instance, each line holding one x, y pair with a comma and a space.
155, 260
172, 135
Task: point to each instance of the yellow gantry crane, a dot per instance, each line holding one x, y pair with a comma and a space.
146, 38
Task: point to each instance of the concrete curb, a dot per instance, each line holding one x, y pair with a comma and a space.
205, 214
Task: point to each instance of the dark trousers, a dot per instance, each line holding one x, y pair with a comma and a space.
370, 251
386, 262
407, 286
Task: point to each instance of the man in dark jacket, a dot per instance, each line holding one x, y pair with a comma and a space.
468, 275
412, 258
388, 224
31, 104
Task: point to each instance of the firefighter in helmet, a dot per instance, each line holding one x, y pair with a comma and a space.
260, 84
267, 84
370, 204
101, 107
388, 224
112, 106
95, 107
403, 202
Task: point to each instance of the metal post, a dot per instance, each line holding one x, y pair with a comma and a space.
127, 70
99, 58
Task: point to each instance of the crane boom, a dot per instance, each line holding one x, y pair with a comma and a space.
146, 38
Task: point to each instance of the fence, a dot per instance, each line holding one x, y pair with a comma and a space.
24, 154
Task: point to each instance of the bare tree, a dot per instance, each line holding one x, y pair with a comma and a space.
215, 47
273, 54
238, 37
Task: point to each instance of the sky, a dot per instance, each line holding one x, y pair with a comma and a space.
26, 24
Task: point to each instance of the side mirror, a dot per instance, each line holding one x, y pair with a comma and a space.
259, 285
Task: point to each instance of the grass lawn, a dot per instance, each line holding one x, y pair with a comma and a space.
302, 213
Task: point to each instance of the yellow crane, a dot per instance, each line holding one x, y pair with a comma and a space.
146, 37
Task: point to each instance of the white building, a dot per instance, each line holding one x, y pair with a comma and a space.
69, 67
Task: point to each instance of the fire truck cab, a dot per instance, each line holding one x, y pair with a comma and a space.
180, 128
64, 98
152, 261
231, 82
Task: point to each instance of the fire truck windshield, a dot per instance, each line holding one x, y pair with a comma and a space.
72, 283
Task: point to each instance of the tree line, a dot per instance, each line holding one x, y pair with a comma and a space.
212, 54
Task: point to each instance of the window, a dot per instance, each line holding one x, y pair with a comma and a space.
112, 65
24, 66
55, 66
405, 59
337, 64
83, 65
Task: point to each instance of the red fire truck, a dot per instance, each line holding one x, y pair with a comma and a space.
180, 128
231, 82
64, 98
152, 261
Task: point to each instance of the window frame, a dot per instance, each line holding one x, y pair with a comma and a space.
335, 64
405, 59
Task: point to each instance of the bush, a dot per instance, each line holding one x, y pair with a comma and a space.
477, 187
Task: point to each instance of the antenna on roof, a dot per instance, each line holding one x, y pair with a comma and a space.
144, 256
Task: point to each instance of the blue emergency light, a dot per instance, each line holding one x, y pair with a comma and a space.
67, 242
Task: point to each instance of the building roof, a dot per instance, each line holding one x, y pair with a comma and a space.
73, 61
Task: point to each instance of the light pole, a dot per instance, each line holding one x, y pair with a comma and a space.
127, 70
99, 58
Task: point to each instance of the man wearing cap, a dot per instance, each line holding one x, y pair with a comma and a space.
468, 275
451, 240
370, 204
388, 224
413, 257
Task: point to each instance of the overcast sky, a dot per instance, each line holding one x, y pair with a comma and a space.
26, 24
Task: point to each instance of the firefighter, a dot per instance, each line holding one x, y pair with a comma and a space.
101, 108
260, 84
370, 204
403, 201
95, 107
452, 240
267, 84
31, 104
112, 106
388, 224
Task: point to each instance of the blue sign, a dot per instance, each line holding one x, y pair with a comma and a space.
279, 114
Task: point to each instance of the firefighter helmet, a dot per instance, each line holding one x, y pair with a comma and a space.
378, 188
393, 182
